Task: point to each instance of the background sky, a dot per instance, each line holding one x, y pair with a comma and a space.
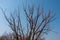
10, 5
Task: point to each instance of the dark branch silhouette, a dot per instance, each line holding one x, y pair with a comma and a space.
35, 27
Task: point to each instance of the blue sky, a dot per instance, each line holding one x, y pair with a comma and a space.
10, 5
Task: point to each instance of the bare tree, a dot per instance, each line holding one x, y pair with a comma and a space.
35, 27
